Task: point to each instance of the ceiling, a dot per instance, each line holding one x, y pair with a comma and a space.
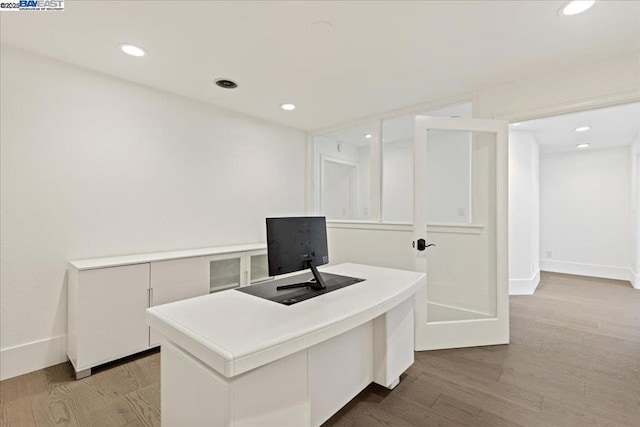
610, 127
337, 61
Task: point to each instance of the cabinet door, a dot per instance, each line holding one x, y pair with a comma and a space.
111, 307
176, 280
258, 266
227, 271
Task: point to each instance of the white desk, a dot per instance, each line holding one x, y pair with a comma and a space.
232, 359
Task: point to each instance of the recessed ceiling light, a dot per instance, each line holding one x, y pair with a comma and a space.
132, 50
288, 107
226, 83
516, 124
576, 6
368, 136
583, 128
583, 145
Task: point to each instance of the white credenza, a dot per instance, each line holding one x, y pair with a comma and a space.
107, 297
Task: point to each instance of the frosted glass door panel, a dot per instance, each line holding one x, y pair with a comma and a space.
259, 268
224, 274
448, 177
461, 268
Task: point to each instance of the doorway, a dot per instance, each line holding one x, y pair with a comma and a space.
572, 192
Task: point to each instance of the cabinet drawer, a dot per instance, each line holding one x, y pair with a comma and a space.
173, 293
177, 293
179, 272
107, 314
105, 283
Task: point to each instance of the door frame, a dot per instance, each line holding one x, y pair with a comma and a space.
477, 332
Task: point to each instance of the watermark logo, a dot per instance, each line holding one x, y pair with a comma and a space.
31, 5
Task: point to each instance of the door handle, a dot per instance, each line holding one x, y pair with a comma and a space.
422, 245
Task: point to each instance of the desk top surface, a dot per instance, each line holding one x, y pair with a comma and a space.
234, 332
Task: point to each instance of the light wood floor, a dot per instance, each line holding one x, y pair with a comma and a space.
574, 360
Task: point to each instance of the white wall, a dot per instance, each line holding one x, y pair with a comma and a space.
94, 166
635, 214
524, 213
585, 212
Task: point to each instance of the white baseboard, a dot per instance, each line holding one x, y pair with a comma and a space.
592, 270
635, 279
524, 286
30, 357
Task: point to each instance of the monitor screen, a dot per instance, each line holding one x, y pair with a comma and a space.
293, 242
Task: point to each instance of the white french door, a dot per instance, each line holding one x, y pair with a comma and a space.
460, 232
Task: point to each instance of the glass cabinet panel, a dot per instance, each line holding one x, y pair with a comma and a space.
259, 268
224, 274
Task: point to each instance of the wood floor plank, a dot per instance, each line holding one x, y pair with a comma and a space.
17, 412
574, 360
467, 414
146, 404
13, 388
115, 414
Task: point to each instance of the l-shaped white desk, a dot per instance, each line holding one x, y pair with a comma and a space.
233, 359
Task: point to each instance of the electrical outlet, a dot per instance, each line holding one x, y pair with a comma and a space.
366, 211
549, 254
461, 211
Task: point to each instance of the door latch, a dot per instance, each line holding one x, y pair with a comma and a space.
422, 245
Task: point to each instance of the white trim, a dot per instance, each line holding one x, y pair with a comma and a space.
619, 98
524, 286
581, 269
412, 109
375, 173
635, 279
88, 264
32, 356
309, 176
370, 225
455, 228
406, 226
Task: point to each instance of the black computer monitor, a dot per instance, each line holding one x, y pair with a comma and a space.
297, 243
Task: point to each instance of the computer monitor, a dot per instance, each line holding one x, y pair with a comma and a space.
297, 243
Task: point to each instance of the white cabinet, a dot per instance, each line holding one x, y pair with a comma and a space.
106, 314
258, 266
108, 297
227, 271
176, 280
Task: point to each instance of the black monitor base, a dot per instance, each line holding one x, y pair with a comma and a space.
317, 283
279, 292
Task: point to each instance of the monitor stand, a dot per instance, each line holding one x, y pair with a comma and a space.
317, 285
